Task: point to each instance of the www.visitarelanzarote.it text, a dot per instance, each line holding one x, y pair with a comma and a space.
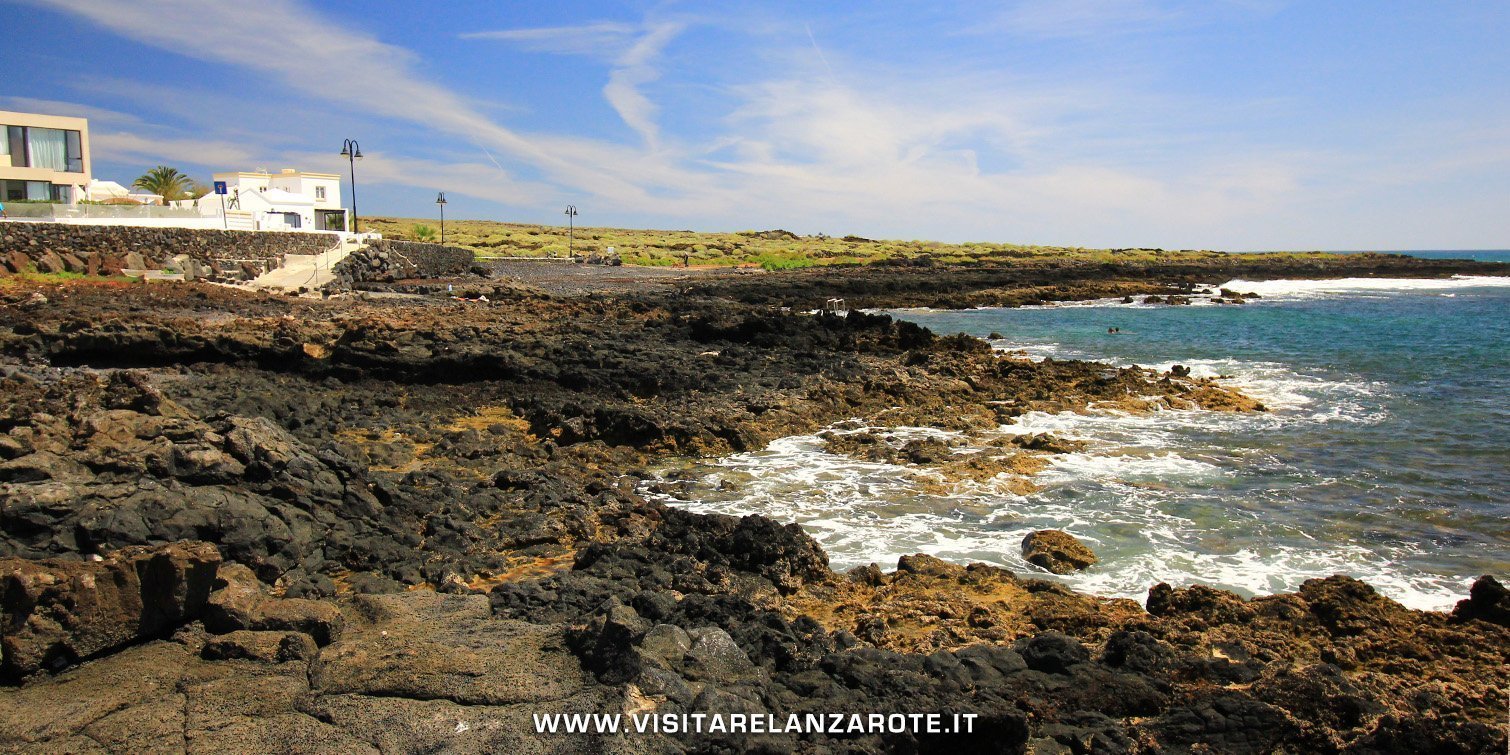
755, 723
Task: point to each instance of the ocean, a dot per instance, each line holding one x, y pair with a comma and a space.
1385, 456
1482, 255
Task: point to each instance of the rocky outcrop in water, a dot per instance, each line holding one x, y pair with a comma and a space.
1057, 551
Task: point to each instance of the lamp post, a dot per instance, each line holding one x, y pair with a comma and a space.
571, 214
352, 153
440, 199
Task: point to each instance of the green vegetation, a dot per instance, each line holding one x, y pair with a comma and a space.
31, 275
773, 250
782, 262
167, 182
422, 232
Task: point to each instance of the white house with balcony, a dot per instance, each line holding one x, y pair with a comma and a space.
289, 200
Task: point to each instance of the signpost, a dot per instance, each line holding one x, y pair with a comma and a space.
220, 189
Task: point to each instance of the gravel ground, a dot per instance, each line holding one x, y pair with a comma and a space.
566, 277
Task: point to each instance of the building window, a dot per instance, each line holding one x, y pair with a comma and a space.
320, 193
75, 154
15, 137
49, 148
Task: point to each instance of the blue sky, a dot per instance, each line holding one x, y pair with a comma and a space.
1238, 124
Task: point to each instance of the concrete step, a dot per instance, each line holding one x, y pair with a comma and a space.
308, 271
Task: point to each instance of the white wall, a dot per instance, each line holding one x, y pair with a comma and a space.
200, 222
308, 186
332, 200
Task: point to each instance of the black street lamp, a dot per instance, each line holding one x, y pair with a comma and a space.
352, 153
440, 199
571, 214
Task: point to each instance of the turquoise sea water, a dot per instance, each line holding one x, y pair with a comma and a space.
1482, 255
1386, 455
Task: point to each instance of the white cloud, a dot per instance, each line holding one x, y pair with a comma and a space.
604, 38
472, 179
483, 181
283, 39
126, 147
633, 70
72, 109
633, 52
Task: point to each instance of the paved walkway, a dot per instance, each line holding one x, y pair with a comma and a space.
309, 271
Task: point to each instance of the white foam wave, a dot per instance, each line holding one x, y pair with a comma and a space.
860, 522
1276, 569
1280, 387
1277, 385
1154, 515
1038, 350
1201, 297
1295, 289
1167, 496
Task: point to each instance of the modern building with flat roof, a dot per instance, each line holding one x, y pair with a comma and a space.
43, 158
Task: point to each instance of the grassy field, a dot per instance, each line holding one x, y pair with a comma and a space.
772, 250
30, 275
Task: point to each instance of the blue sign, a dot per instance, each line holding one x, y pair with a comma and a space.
220, 187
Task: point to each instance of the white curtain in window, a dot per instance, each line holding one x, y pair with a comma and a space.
39, 191
49, 148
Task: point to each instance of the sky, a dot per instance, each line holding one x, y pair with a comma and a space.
1220, 124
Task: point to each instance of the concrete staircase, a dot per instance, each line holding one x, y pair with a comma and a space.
307, 271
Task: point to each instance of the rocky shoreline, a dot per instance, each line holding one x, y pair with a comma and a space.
423, 528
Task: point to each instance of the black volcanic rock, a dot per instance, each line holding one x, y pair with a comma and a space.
1488, 600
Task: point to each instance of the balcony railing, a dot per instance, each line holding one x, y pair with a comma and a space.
45, 211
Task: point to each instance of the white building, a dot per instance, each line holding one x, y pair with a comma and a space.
289, 200
104, 191
113, 193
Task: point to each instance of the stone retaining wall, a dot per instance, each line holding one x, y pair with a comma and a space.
107, 250
429, 260
388, 261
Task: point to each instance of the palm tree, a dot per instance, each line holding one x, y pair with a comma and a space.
164, 181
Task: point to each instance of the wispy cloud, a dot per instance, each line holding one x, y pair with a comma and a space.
490, 182
631, 72
832, 79
129, 147
457, 178
632, 50
607, 39
74, 109
282, 38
